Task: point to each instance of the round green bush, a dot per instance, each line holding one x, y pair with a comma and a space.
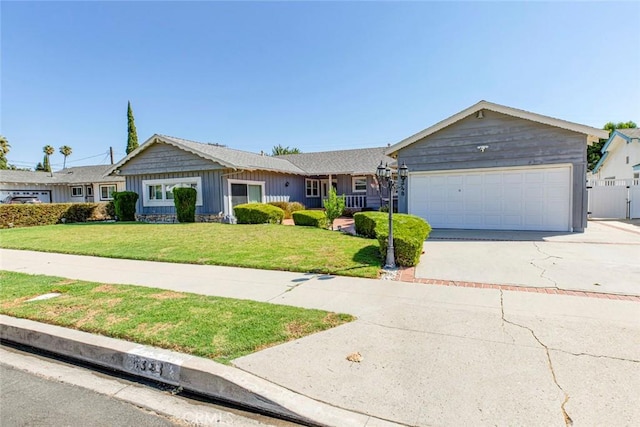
258, 213
310, 218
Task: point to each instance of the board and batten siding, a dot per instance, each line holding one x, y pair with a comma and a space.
275, 186
211, 200
165, 158
510, 142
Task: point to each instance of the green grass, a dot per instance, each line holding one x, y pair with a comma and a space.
267, 246
221, 329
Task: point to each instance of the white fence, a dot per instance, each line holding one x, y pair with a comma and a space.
614, 198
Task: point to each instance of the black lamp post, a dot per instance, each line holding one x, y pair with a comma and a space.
386, 180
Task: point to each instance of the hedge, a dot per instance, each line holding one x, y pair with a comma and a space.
258, 213
30, 215
125, 203
288, 207
184, 199
409, 233
311, 219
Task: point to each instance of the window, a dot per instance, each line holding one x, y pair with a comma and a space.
359, 184
76, 191
159, 192
245, 192
89, 191
106, 192
313, 187
627, 159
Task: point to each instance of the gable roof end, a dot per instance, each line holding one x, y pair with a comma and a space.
485, 105
628, 135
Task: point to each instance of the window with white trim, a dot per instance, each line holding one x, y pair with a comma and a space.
106, 192
246, 192
313, 187
159, 192
76, 191
359, 184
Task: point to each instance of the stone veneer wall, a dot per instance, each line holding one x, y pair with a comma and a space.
171, 218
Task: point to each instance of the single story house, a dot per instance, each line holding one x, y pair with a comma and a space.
225, 177
71, 185
496, 167
620, 156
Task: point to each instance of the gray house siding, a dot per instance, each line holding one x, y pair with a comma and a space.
165, 158
211, 196
275, 186
511, 142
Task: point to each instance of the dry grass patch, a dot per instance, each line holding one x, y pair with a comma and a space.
168, 295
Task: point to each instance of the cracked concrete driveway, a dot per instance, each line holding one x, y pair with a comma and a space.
606, 258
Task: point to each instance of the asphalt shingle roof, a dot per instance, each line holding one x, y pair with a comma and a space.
355, 161
237, 159
69, 176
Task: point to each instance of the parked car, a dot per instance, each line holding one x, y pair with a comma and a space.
12, 200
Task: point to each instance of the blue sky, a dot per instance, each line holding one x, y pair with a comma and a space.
313, 75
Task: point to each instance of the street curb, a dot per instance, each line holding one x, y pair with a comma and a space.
192, 373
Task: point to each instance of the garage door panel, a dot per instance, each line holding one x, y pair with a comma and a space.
507, 199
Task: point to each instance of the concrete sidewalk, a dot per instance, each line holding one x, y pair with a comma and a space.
432, 355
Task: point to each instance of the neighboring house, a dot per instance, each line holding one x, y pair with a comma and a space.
70, 185
225, 177
495, 167
620, 156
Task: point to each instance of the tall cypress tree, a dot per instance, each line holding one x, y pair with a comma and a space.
132, 140
45, 164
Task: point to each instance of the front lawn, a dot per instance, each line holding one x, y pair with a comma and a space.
267, 246
221, 329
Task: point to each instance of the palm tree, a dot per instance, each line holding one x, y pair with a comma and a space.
48, 151
66, 151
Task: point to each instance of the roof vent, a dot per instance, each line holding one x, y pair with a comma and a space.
480, 115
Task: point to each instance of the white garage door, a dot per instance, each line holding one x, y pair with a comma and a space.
494, 199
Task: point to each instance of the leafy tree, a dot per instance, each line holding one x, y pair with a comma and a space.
279, 150
132, 134
48, 151
4, 150
593, 151
40, 167
333, 206
66, 151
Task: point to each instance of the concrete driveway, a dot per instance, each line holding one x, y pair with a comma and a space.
605, 258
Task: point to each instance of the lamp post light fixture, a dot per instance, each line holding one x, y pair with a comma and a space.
385, 179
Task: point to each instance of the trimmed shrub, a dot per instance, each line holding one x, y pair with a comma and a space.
310, 218
184, 198
53, 213
288, 207
258, 213
125, 204
409, 233
366, 223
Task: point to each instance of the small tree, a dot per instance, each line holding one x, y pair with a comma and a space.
125, 205
66, 151
334, 206
184, 198
132, 134
40, 167
279, 150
